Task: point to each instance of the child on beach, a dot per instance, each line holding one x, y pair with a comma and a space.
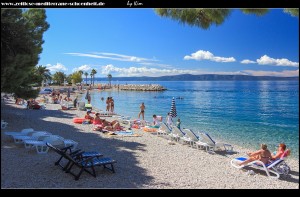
178, 123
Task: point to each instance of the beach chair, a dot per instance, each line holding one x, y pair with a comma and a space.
41, 146
213, 145
276, 167
18, 139
23, 132
164, 129
73, 154
83, 163
176, 134
56, 140
81, 106
194, 140
190, 137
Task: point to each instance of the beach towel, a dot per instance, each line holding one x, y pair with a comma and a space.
123, 134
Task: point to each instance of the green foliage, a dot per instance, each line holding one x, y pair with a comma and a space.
204, 17
93, 72
257, 12
43, 72
201, 17
21, 43
86, 74
76, 77
292, 11
59, 77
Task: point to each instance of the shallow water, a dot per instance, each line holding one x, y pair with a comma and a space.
245, 113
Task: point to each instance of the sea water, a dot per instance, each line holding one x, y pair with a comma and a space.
245, 113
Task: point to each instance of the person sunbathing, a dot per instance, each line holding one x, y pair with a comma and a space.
113, 126
263, 155
98, 122
88, 116
280, 151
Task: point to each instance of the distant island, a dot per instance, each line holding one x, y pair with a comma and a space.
206, 77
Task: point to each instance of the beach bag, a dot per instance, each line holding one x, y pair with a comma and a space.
86, 122
36, 107
282, 168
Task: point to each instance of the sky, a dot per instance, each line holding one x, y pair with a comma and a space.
138, 42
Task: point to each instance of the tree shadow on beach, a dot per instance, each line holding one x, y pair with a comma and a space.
28, 164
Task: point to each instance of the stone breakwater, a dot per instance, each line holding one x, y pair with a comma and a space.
142, 87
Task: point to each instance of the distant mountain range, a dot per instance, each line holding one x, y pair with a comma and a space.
206, 77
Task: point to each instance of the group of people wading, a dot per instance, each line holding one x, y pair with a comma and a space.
110, 106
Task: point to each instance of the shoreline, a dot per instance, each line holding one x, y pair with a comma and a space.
142, 162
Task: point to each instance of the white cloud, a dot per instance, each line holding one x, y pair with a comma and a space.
156, 64
83, 68
266, 60
246, 61
143, 71
284, 73
155, 72
56, 68
206, 55
113, 56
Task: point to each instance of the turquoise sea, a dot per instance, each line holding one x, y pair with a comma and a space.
245, 113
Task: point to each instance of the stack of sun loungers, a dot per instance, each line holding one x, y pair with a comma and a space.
38, 140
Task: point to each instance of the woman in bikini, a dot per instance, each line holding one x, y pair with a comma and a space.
263, 155
142, 112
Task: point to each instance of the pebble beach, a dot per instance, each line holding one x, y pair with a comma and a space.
143, 162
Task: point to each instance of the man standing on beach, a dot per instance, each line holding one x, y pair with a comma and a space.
142, 107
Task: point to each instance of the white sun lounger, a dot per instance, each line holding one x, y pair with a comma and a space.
163, 129
213, 145
176, 134
55, 140
23, 132
190, 137
276, 167
18, 139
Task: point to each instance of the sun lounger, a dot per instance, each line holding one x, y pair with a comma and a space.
276, 167
23, 132
213, 145
190, 137
75, 154
18, 139
176, 134
83, 163
41, 146
164, 129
